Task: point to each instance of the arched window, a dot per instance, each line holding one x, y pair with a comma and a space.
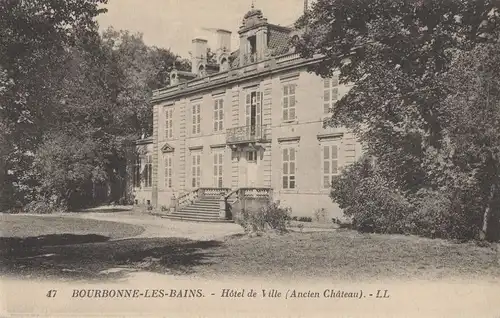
224, 65
201, 70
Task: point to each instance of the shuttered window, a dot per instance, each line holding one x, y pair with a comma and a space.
196, 117
195, 169
169, 123
330, 164
168, 170
289, 102
218, 115
288, 168
218, 166
330, 93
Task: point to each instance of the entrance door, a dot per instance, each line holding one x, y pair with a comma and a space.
252, 170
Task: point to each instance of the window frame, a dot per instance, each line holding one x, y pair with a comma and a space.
196, 169
286, 97
289, 176
137, 171
330, 175
218, 168
196, 119
330, 85
168, 170
148, 172
218, 115
169, 123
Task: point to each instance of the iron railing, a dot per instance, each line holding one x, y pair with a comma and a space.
244, 134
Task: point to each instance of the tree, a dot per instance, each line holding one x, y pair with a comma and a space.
398, 54
33, 38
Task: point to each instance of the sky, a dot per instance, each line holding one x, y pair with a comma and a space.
174, 23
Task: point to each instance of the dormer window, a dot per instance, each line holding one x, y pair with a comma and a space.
201, 71
252, 42
224, 65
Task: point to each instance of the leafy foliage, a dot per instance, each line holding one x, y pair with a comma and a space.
71, 101
424, 77
258, 219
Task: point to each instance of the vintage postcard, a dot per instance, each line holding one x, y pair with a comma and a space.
239, 158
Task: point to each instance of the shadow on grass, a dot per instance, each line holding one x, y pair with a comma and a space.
89, 257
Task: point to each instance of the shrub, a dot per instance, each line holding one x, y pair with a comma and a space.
374, 204
320, 215
39, 207
163, 208
259, 219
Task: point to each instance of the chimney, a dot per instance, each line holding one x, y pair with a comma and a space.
199, 55
223, 41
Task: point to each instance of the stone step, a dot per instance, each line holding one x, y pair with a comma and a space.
208, 204
195, 219
201, 213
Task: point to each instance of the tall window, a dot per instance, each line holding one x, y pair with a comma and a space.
218, 164
330, 164
195, 112
289, 168
148, 172
195, 169
169, 123
168, 170
219, 115
253, 109
330, 93
137, 173
289, 102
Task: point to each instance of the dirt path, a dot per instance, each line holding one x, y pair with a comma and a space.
159, 227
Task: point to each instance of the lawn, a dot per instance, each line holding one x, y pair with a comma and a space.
23, 226
345, 254
334, 254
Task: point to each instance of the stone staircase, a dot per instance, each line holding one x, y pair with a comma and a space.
204, 204
202, 210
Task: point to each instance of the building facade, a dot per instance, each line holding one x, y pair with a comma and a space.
249, 118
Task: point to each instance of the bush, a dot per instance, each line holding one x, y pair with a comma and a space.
269, 216
370, 200
320, 215
39, 207
376, 205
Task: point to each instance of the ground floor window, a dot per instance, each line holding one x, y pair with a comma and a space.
137, 173
288, 168
218, 166
195, 169
148, 172
168, 170
330, 164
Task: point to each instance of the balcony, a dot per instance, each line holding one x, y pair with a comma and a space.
246, 134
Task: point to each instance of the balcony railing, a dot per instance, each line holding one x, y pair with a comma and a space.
245, 134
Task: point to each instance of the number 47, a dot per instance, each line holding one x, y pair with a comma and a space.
52, 293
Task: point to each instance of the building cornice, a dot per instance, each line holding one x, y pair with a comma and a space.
220, 80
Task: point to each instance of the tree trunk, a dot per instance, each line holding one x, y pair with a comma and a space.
483, 235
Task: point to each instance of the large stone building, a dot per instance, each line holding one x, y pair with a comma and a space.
246, 119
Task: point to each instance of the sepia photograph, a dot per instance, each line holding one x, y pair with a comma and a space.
250, 158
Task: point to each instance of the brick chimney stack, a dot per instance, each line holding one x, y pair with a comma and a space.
199, 55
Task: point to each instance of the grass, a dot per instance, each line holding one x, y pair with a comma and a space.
23, 226
353, 256
339, 255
